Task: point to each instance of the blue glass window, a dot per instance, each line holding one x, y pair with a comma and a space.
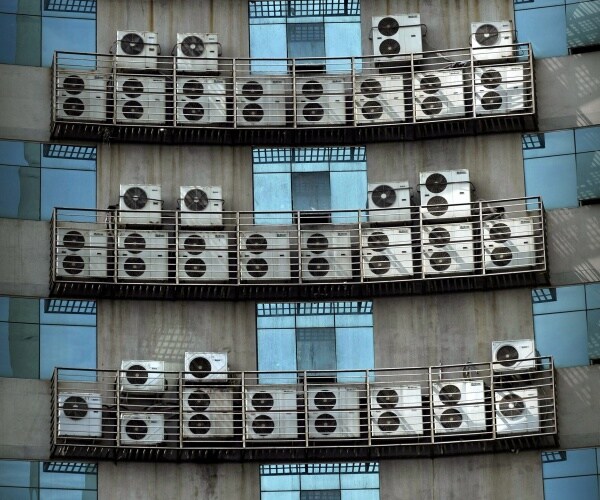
571, 474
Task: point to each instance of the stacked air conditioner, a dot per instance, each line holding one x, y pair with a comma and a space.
81, 251
140, 99
201, 101
447, 249
203, 256
389, 202
206, 367
201, 206
379, 99
326, 255
396, 411
492, 40
517, 411
500, 89
397, 37
197, 52
79, 415
333, 412
508, 244
140, 204
141, 429
81, 96
439, 94
321, 100
265, 255
445, 194
513, 356
142, 255
387, 253
459, 406
271, 413
261, 101
137, 50
207, 413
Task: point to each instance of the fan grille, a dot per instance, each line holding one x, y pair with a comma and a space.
325, 400
500, 232
134, 243
257, 243
263, 425
136, 429
73, 106
387, 398
252, 90
73, 84
200, 367
135, 198
195, 268
313, 112
491, 100
253, 113
194, 244
325, 424
389, 47
199, 424
451, 418
312, 90
430, 84
73, 240
193, 89
380, 264
507, 355
262, 401
384, 196
193, 111
487, 35
199, 400
372, 110
371, 88
134, 267
437, 206
195, 200
133, 110
75, 407
73, 264
388, 422
378, 241
440, 261
432, 105
192, 46
257, 268
317, 243
388, 26
491, 78
501, 256
318, 267
436, 182
132, 44
512, 406
450, 394
133, 87
439, 237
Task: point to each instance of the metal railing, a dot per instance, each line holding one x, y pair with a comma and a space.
406, 411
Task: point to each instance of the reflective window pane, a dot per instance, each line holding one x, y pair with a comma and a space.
533, 4
531, 26
320, 482
311, 191
593, 331
578, 463
349, 357
21, 6
67, 188
8, 493
20, 39
588, 175
67, 312
63, 34
20, 153
592, 295
587, 139
67, 347
559, 142
20, 192
359, 481
17, 473
19, 350
280, 495
283, 482
268, 42
583, 19
360, 495
276, 352
316, 348
67, 480
564, 336
580, 488
19, 310
554, 179
342, 40
568, 298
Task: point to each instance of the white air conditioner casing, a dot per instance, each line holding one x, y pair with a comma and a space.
81, 96
397, 37
333, 412
142, 255
508, 244
271, 412
326, 255
333, 398
207, 399
396, 411
459, 419
379, 99
142, 429
445, 235
198, 52
447, 249
513, 355
492, 40
79, 414
388, 202
458, 392
142, 376
261, 101
201, 206
265, 255
500, 89
321, 100
439, 94
81, 251
137, 49
203, 256
517, 411
445, 194
140, 204
387, 252
201, 101
206, 366
140, 99
199, 426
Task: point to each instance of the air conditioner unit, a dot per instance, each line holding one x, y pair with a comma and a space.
206, 366
81, 251
198, 52
393, 198
203, 256
326, 255
142, 429
261, 101
500, 89
81, 96
207, 399
517, 411
439, 94
396, 411
265, 255
379, 99
508, 244
79, 414
492, 40
321, 100
271, 412
448, 249
142, 376
201, 206
199, 426
513, 355
137, 49
445, 194
397, 37
139, 204
333, 412
387, 252
140, 99
201, 101
457, 392
333, 398
142, 255
459, 419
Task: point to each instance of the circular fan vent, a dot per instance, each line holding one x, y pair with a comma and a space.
193, 89
136, 429
136, 375
436, 183
257, 268
256, 243
200, 367
440, 261
512, 406
199, 400
252, 90
195, 268
133, 87
491, 100
318, 267
507, 355
432, 105
317, 243
388, 421
134, 267
312, 90
388, 26
501, 256
439, 237
135, 198
387, 398
195, 200
73, 240
450, 394
430, 84
75, 407
372, 110
193, 111
490, 79
134, 243
192, 46
133, 110
199, 424
73, 264
487, 35
73, 84
378, 241
253, 113
500, 232
325, 400
313, 112
262, 401
263, 425
437, 206
384, 196
194, 244
379, 265
371, 88
389, 47
132, 44
325, 424
73, 106
451, 418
